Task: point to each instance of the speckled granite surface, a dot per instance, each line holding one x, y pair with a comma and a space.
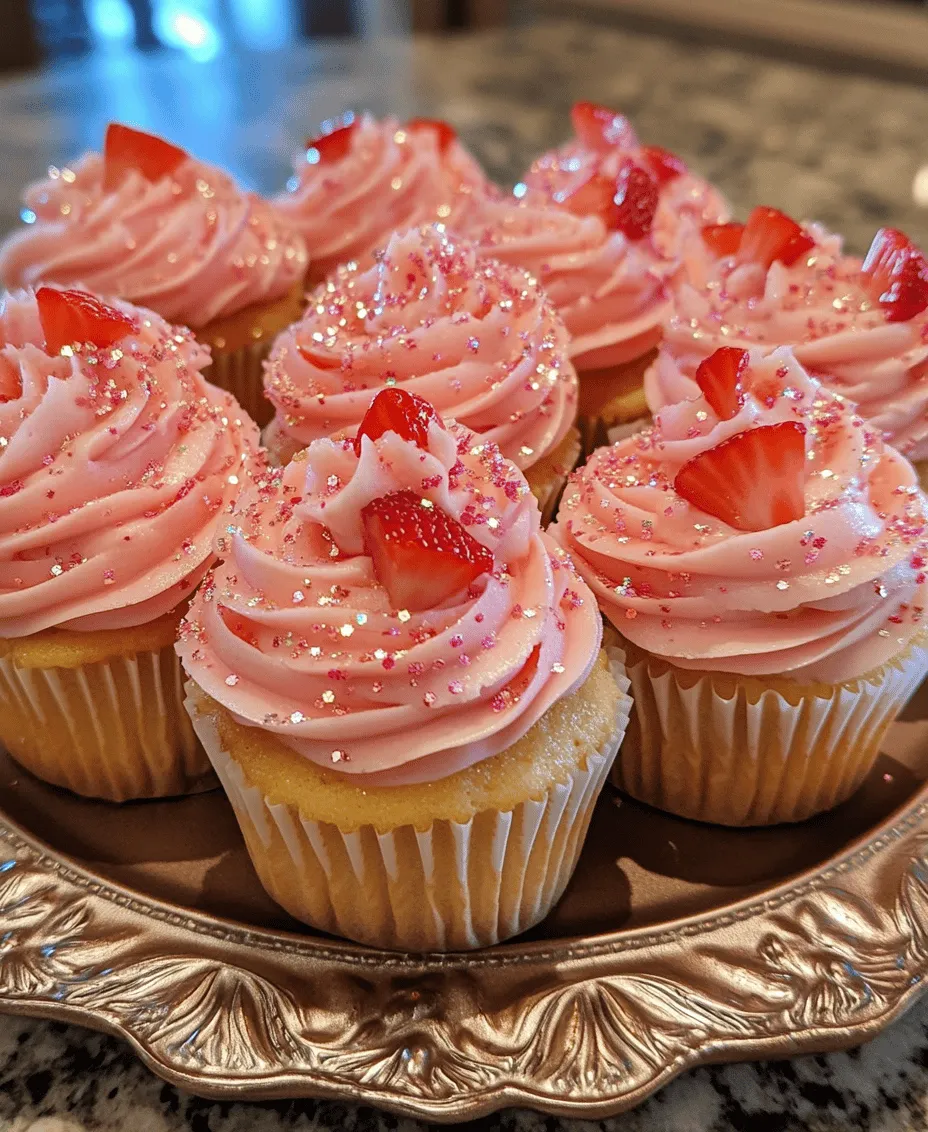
842, 148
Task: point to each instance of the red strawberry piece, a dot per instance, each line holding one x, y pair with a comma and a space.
333, 145
896, 274
421, 555
723, 239
72, 318
600, 128
771, 235
125, 149
753, 481
444, 132
396, 410
595, 197
635, 202
719, 378
663, 164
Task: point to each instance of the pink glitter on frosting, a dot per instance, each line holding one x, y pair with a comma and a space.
124, 461
407, 710
827, 597
390, 178
820, 307
192, 246
612, 292
475, 338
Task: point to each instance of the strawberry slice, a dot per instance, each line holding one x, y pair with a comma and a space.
896, 273
71, 318
396, 410
444, 132
421, 556
719, 378
600, 128
595, 197
635, 201
663, 164
333, 145
771, 235
723, 239
125, 149
752, 481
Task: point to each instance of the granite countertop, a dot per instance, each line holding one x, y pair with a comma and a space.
842, 148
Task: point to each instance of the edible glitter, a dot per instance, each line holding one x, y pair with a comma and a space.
297, 597
296, 717
346, 630
403, 614
328, 696
232, 680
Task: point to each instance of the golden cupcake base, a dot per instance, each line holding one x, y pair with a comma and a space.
241, 342
744, 751
459, 863
101, 713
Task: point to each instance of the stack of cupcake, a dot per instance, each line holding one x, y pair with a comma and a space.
364, 631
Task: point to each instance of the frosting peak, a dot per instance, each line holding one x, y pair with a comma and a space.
381, 177
295, 634
116, 465
190, 244
823, 305
827, 596
474, 337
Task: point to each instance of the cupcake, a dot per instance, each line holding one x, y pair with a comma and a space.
475, 338
118, 462
861, 326
399, 681
147, 223
763, 554
601, 224
361, 179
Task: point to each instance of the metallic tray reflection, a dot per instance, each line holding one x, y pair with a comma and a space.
676, 944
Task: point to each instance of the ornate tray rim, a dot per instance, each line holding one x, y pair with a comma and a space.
585, 1028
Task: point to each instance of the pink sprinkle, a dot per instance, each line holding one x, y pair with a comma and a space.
429, 698
456, 641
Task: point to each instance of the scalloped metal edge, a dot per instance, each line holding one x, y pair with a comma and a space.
587, 1029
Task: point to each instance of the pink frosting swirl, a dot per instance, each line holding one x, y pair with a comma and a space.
116, 467
612, 292
294, 634
827, 597
820, 307
390, 178
192, 246
475, 338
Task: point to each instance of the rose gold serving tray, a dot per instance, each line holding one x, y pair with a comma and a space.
675, 945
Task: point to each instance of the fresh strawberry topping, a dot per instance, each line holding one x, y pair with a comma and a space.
333, 146
723, 239
719, 378
663, 164
72, 318
896, 274
421, 555
396, 410
444, 132
635, 202
771, 235
601, 128
125, 149
752, 481
595, 197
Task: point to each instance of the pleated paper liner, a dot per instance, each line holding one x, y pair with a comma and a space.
241, 342
742, 751
449, 886
112, 728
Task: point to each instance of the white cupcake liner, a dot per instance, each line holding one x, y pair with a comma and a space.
741, 759
241, 372
452, 886
115, 729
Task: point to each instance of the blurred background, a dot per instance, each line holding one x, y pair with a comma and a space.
815, 106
